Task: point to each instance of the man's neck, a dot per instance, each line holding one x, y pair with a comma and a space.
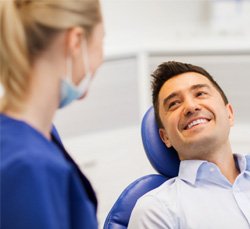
222, 156
229, 169
225, 161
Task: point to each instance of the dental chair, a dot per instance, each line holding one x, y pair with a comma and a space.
164, 160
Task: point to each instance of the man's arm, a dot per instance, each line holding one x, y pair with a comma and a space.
149, 212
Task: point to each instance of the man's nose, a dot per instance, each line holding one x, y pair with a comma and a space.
190, 107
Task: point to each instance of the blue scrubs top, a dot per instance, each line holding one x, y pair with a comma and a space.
41, 186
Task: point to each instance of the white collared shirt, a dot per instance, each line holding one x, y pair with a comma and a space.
200, 197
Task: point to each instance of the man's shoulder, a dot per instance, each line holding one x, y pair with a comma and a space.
160, 204
165, 193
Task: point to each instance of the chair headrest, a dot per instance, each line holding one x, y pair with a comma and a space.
164, 160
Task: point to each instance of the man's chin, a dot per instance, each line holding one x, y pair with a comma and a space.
198, 143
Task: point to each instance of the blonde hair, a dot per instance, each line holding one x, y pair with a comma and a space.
27, 28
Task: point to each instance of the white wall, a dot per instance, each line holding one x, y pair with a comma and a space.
149, 17
130, 21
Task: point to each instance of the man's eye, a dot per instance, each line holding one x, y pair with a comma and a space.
200, 93
173, 104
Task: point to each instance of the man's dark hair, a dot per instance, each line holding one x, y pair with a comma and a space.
170, 69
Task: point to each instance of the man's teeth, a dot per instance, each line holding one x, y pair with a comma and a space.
196, 122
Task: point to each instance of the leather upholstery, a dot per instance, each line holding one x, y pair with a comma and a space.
164, 160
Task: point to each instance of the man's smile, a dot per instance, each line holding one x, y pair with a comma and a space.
196, 122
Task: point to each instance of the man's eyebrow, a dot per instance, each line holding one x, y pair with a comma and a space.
198, 86
172, 95
176, 94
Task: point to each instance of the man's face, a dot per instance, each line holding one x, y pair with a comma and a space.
194, 115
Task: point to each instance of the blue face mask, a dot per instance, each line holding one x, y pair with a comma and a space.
70, 92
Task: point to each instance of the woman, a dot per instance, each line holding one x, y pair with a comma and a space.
49, 51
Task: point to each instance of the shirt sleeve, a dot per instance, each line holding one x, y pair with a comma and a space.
150, 213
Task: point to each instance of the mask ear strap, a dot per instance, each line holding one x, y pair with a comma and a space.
83, 86
86, 57
69, 70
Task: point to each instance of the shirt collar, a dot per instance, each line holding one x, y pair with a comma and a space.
248, 162
190, 169
243, 162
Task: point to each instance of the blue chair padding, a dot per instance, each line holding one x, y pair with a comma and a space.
163, 159
119, 215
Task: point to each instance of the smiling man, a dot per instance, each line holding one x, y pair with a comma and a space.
212, 189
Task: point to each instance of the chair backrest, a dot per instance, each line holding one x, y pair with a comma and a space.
164, 160
119, 215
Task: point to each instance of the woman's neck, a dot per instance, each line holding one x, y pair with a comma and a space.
42, 99
34, 119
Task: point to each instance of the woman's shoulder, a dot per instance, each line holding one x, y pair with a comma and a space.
22, 144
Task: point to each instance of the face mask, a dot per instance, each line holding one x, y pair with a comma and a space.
70, 92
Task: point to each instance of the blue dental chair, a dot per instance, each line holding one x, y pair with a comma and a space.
164, 160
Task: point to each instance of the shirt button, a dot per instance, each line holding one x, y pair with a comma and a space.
211, 169
236, 189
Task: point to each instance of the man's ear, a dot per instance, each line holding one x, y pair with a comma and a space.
164, 137
230, 114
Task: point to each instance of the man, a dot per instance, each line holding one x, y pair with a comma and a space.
212, 189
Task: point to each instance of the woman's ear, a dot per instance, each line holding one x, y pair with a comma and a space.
164, 137
74, 40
